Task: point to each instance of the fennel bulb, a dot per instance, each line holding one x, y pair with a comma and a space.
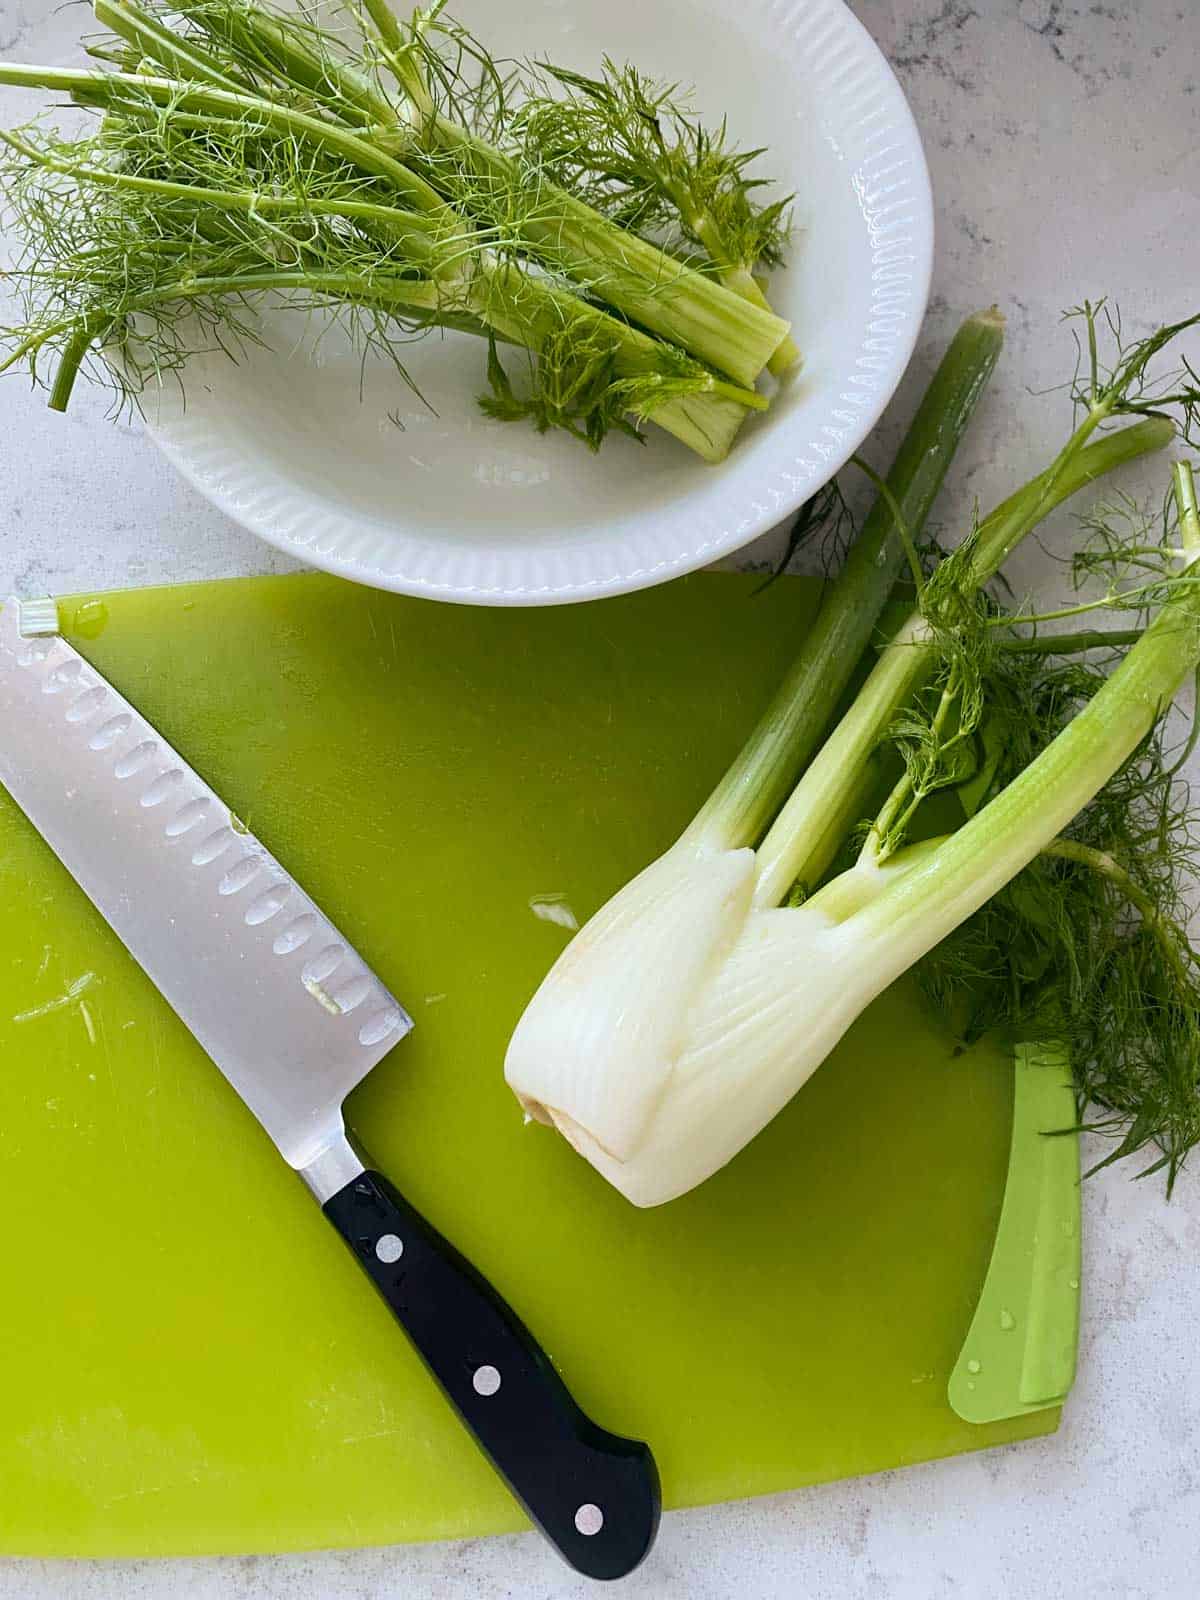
682, 1018
694, 1005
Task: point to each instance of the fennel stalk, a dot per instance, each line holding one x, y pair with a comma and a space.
788, 733
242, 152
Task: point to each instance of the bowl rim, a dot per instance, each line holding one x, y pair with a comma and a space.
782, 491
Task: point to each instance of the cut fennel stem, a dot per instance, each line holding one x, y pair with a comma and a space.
659, 1073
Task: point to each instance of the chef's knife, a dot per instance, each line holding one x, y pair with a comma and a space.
295, 1019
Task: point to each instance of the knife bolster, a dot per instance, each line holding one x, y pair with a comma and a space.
338, 1164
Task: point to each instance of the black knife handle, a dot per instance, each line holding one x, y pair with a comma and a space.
592, 1493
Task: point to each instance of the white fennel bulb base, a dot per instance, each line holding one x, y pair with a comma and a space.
680, 1019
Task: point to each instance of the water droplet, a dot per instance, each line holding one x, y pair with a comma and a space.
974, 1366
1007, 1321
970, 1385
90, 619
1073, 1283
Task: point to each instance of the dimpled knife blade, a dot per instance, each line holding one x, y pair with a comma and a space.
285, 1007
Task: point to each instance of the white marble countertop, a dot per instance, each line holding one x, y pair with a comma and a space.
1062, 138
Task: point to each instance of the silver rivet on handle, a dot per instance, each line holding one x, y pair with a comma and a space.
589, 1519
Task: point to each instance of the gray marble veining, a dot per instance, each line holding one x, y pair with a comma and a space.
1063, 140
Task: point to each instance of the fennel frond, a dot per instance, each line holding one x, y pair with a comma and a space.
241, 152
1090, 943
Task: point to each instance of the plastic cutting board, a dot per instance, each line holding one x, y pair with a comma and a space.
189, 1360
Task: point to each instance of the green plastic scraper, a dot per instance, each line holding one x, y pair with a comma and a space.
1021, 1349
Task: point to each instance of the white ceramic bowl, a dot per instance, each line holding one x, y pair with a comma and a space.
303, 446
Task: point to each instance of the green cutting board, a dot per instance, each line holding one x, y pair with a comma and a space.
189, 1359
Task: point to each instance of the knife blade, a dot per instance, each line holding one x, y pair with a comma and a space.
294, 1018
